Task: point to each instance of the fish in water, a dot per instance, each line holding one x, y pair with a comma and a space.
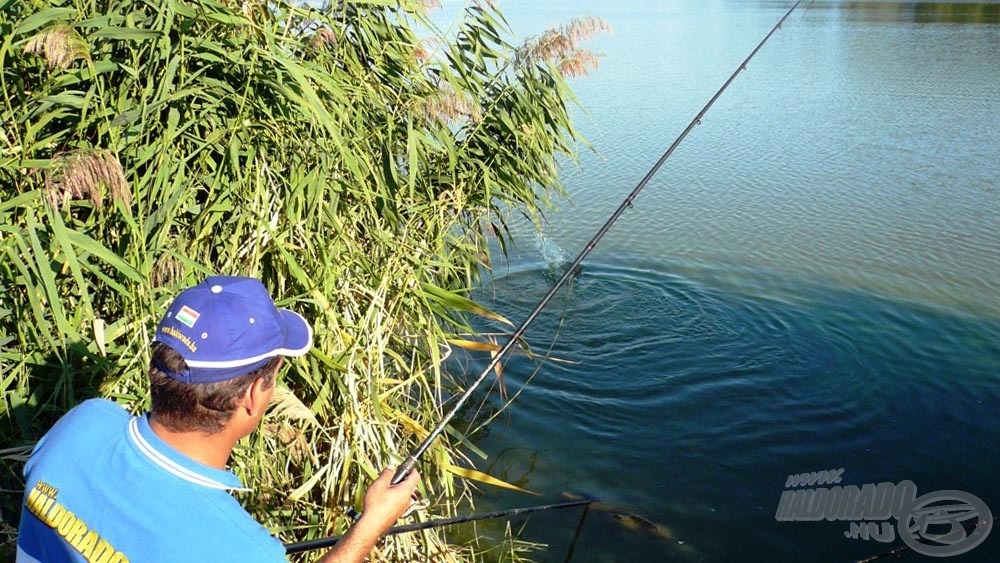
637, 523
641, 524
628, 520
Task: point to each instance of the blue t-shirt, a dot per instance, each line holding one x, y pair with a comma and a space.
101, 487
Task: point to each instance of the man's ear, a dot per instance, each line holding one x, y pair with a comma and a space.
257, 396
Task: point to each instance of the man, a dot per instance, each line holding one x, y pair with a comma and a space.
105, 487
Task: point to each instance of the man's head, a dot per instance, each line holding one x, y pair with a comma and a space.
218, 341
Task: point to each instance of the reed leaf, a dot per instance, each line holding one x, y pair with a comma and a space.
485, 478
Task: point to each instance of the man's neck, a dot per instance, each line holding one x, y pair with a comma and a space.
212, 450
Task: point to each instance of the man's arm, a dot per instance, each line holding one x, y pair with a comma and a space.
383, 506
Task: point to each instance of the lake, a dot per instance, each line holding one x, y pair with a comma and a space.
811, 282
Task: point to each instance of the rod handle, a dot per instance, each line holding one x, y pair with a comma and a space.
403, 471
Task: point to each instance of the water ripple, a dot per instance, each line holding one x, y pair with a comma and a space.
694, 387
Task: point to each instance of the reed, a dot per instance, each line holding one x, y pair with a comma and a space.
328, 151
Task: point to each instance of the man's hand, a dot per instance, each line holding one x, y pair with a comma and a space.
384, 504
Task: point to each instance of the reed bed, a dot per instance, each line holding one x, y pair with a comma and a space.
355, 166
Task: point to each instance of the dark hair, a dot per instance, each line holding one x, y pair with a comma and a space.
205, 407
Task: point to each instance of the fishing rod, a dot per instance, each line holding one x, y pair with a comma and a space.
410, 462
327, 542
898, 551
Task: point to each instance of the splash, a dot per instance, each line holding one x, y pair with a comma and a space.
554, 256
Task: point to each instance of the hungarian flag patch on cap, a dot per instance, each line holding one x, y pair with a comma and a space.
187, 315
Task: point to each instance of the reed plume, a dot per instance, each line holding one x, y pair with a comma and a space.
59, 45
83, 175
323, 37
167, 270
560, 47
447, 105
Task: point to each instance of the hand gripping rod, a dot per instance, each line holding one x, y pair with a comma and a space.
410, 462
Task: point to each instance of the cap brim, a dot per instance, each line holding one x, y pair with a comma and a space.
298, 334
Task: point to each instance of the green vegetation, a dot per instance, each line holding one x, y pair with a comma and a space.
356, 167
922, 12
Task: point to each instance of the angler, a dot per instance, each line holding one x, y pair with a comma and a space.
104, 486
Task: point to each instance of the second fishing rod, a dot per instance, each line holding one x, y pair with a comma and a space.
410, 462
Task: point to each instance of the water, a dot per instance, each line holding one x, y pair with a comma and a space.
810, 283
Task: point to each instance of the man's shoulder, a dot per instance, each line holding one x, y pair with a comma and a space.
95, 415
101, 407
93, 419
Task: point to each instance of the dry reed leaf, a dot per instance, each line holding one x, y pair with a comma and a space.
418, 430
99, 336
498, 370
474, 345
484, 478
304, 488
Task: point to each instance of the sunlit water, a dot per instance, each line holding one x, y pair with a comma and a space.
811, 282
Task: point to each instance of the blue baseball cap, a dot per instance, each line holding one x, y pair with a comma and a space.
228, 326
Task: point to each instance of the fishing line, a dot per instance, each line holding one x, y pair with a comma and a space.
410, 462
508, 400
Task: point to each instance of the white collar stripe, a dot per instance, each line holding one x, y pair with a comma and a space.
170, 465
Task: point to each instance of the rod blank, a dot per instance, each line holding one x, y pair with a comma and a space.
327, 542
